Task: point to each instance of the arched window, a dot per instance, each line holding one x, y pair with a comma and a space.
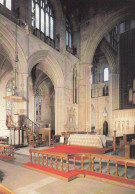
42, 17
68, 34
10, 92
106, 74
38, 103
6, 3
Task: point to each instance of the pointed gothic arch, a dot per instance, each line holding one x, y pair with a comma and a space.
110, 21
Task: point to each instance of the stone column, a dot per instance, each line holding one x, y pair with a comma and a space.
115, 91
113, 99
22, 90
85, 98
59, 110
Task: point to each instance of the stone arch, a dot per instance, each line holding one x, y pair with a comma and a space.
7, 39
110, 55
47, 64
112, 20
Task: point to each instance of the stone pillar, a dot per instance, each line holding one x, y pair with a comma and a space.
22, 90
113, 99
85, 98
115, 91
59, 110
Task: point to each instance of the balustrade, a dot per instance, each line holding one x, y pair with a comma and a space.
34, 128
93, 161
50, 159
7, 151
90, 162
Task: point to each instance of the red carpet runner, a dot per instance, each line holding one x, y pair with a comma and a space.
73, 149
68, 176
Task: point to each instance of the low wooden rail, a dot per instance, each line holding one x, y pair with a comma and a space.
58, 161
6, 152
91, 162
94, 160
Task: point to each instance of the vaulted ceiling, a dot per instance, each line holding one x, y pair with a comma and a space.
80, 8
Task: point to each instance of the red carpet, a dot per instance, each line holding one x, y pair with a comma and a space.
106, 176
76, 173
68, 176
60, 174
72, 149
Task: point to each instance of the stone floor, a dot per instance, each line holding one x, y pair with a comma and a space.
24, 181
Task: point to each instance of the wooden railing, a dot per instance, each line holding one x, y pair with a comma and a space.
90, 162
104, 164
6, 151
33, 127
58, 161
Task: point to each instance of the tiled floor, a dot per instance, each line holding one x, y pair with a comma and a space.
24, 181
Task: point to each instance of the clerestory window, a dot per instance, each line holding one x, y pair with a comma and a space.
106, 74
6, 3
68, 34
43, 17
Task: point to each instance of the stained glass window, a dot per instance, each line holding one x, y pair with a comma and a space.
38, 99
68, 34
10, 91
6, 3
42, 17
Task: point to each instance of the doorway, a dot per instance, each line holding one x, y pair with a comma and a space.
105, 128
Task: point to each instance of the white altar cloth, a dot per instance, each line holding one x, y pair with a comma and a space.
98, 141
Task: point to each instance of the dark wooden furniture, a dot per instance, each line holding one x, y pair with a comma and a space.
56, 138
130, 150
126, 138
114, 143
45, 134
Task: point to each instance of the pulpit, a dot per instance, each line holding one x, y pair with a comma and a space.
45, 134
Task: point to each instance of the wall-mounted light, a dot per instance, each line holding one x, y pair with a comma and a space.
105, 112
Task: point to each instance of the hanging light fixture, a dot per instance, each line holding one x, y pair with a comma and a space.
14, 97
